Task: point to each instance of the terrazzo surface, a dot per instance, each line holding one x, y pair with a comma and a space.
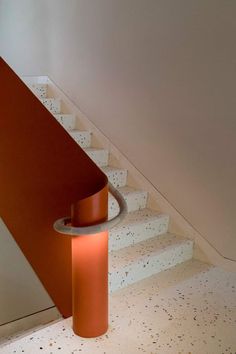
40, 90
83, 138
117, 176
138, 226
135, 199
189, 309
139, 261
52, 104
99, 156
68, 121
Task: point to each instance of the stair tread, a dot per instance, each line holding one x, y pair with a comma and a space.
38, 85
93, 149
63, 115
144, 249
48, 99
108, 169
140, 216
78, 131
126, 190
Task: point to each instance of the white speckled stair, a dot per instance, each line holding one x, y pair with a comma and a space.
40, 90
139, 246
52, 104
146, 258
83, 138
117, 176
135, 199
99, 156
138, 226
68, 121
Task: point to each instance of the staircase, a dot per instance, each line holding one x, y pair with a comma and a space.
162, 301
141, 245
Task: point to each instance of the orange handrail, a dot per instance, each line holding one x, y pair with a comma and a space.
43, 174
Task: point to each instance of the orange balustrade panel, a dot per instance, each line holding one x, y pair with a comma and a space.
43, 173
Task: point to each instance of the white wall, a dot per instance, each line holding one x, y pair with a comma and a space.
23, 36
158, 77
21, 293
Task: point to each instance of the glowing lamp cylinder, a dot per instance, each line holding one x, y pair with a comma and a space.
90, 268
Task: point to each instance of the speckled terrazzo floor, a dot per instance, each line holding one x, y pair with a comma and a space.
190, 308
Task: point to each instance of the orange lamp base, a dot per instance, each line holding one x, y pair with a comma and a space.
90, 268
90, 284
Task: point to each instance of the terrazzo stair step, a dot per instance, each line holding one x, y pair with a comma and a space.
52, 104
137, 226
117, 176
83, 138
40, 90
99, 156
68, 121
137, 262
135, 199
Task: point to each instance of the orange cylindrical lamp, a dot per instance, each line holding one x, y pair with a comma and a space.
90, 268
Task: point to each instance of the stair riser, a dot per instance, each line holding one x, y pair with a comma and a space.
135, 201
117, 178
100, 157
52, 104
148, 266
68, 121
134, 233
40, 90
82, 138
